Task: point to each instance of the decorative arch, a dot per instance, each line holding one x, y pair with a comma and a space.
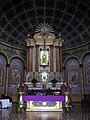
16, 73
70, 58
86, 71
83, 55
19, 58
6, 57
72, 71
3, 63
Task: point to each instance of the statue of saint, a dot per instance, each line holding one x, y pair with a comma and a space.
44, 59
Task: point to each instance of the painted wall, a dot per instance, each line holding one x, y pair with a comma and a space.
76, 72
16, 74
86, 73
72, 74
2, 73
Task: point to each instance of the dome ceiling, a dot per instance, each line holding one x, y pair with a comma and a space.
70, 18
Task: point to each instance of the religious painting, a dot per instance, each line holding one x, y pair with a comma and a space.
88, 75
1, 75
44, 57
14, 76
74, 76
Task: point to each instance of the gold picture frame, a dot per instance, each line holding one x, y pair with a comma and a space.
44, 58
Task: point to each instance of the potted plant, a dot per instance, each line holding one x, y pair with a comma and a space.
34, 81
54, 81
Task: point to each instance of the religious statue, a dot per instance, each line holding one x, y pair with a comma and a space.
44, 59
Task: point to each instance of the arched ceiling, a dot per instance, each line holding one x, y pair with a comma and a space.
71, 18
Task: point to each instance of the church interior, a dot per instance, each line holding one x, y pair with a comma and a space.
45, 57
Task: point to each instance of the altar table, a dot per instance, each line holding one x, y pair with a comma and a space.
44, 103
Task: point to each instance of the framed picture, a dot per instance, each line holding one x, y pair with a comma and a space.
14, 76
44, 57
74, 76
88, 75
1, 75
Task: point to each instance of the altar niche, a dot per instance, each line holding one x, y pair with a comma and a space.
44, 58
44, 76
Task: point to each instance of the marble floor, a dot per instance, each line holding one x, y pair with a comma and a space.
76, 113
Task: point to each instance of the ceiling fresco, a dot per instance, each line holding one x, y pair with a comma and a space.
70, 18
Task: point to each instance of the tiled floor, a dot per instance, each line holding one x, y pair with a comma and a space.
76, 113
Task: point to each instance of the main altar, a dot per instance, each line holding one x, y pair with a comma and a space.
44, 103
44, 71
44, 58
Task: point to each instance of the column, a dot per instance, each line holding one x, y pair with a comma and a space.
60, 42
54, 61
31, 58
34, 61
26, 70
82, 80
60, 59
57, 58
59, 65
27, 61
37, 50
7, 79
51, 58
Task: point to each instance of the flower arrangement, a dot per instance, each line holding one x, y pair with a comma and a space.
54, 81
19, 108
34, 81
68, 105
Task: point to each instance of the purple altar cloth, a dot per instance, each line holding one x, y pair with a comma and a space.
43, 98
